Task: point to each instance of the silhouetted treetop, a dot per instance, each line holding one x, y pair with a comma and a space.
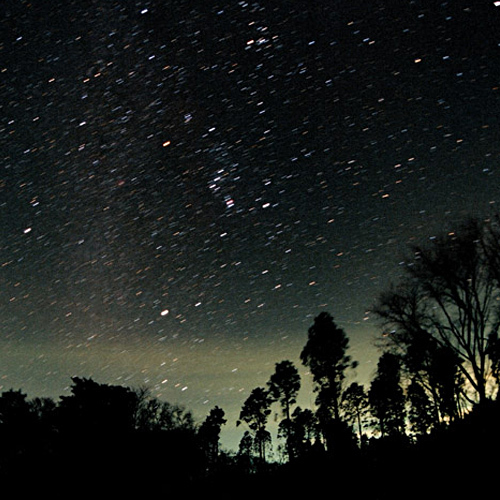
284, 385
325, 354
209, 433
255, 413
98, 406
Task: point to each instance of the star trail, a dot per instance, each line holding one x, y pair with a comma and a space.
185, 185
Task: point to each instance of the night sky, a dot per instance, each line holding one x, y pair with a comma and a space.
185, 185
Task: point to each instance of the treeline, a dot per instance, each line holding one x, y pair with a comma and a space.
104, 436
440, 355
428, 419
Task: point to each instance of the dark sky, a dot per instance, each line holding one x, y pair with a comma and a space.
184, 186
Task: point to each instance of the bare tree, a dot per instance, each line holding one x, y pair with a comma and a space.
448, 297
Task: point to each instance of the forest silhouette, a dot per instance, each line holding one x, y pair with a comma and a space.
427, 424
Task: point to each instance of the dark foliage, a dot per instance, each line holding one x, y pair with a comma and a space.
50, 447
89, 442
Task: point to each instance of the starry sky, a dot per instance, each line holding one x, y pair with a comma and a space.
185, 185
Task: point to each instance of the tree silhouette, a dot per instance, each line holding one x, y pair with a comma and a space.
435, 368
209, 433
245, 452
325, 354
15, 410
16, 423
386, 396
421, 413
284, 386
446, 378
98, 407
151, 414
255, 413
355, 406
301, 432
493, 352
44, 409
